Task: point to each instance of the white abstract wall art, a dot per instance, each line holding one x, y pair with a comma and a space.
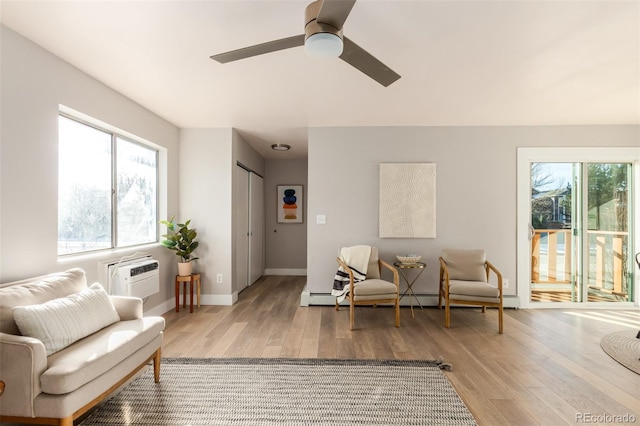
407, 200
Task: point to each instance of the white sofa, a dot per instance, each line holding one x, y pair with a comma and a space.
57, 388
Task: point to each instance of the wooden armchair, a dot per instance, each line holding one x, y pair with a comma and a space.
373, 290
464, 280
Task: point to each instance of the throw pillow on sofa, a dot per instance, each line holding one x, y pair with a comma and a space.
60, 322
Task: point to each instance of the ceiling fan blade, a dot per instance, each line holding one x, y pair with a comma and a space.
335, 12
359, 58
260, 49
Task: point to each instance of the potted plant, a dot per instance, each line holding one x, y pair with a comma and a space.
181, 239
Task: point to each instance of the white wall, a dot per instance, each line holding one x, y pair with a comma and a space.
206, 198
34, 83
476, 189
207, 161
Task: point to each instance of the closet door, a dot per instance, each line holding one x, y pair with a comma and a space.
241, 212
256, 227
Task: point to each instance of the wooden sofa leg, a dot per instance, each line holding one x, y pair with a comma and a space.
156, 366
500, 317
66, 421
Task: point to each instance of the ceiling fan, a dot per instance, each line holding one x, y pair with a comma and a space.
322, 37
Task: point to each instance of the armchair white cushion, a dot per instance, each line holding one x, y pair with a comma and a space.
373, 290
464, 279
465, 265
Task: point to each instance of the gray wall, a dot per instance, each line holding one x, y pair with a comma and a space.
245, 154
476, 189
34, 83
286, 244
476, 180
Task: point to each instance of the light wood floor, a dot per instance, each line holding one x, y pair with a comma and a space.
547, 368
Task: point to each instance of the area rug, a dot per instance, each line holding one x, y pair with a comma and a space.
249, 391
624, 347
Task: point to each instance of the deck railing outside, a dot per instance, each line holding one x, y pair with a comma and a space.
551, 259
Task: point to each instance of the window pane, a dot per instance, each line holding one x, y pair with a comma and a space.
137, 193
608, 198
84, 188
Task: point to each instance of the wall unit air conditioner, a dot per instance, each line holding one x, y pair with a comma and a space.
137, 278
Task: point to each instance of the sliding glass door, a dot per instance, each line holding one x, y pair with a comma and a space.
564, 198
609, 258
580, 232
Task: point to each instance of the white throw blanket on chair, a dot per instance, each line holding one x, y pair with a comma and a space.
357, 258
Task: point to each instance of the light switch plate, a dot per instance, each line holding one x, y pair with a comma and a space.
321, 219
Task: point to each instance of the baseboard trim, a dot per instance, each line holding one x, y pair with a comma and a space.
325, 299
305, 297
205, 299
219, 299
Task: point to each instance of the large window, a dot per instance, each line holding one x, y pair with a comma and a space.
107, 189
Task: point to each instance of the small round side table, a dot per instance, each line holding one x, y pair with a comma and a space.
404, 271
194, 281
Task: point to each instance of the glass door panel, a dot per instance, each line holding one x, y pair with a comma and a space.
580, 223
554, 221
608, 218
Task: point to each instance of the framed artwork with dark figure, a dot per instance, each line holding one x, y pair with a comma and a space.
289, 203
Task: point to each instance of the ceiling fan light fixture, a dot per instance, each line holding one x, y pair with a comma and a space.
323, 28
280, 147
324, 45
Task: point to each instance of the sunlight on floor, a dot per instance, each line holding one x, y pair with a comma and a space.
629, 319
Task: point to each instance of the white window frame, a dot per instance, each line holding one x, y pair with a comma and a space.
526, 156
116, 133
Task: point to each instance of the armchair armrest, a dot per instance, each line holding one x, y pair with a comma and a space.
490, 267
128, 308
444, 275
396, 279
22, 362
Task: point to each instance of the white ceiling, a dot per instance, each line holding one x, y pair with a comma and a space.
462, 63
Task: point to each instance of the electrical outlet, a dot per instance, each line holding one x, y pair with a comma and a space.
505, 283
219, 278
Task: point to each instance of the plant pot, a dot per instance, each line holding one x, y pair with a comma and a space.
185, 268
